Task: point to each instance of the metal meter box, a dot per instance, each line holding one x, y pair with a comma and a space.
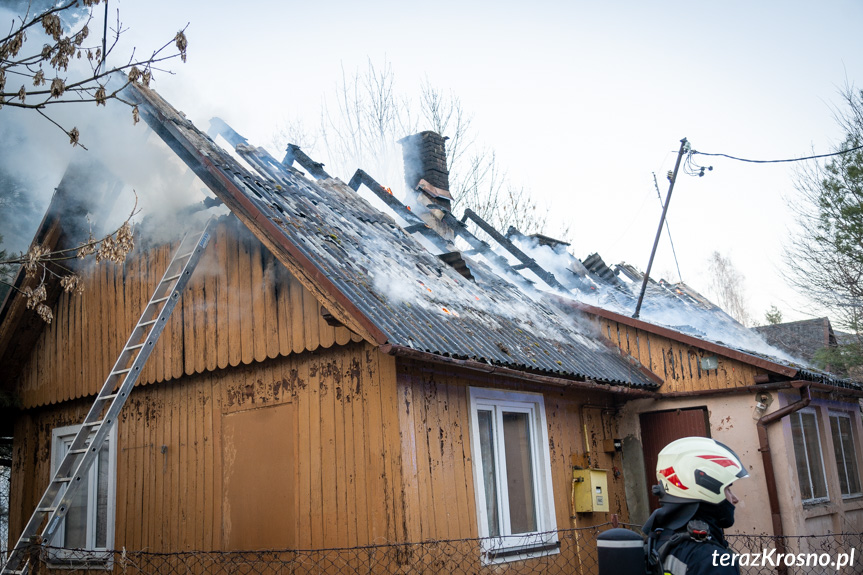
589, 490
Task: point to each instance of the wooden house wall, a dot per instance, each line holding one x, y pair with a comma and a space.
241, 306
304, 448
434, 420
342, 447
676, 363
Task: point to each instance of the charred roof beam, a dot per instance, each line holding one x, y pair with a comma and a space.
526, 261
415, 223
293, 153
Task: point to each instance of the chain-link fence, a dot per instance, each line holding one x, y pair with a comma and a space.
571, 551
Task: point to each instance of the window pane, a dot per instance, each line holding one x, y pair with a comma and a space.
75, 525
486, 442
519, 472
813, 451
839, 453
800, 458
102, 468
849, 455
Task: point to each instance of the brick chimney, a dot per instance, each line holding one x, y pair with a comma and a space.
424, 157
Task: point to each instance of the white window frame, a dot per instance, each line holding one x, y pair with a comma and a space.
816, 415
845, 415
544, 540
94, 557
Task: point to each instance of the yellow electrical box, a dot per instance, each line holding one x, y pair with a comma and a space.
589, 490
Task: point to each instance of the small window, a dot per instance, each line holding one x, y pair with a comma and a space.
512, 475
89, 523
846, 454
807, 453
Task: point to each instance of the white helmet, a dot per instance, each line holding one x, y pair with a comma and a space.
698, 468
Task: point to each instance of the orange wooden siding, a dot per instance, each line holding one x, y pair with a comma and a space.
676, 363
240, 306
333, 411
379, 452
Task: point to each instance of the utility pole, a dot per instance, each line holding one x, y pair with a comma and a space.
684, 146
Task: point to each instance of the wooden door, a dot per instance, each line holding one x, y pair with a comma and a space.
659, 428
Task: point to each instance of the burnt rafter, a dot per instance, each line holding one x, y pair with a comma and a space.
526, 261
293, 153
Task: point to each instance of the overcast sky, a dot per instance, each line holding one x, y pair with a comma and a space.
582, 101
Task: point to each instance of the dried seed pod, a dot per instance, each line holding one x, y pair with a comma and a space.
101, 96
57, 87
182, 43
39, 78
73, 136
51, 23
135, 116
22, 93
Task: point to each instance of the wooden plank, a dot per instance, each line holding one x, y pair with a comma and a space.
283, 313
232, 273
221, 295
177, 352
190, 306
184, 469
357, 383
271, 306
420, 416
440, 484
218, 534
316, 498
198, 479
342, 335
329, 471
298, 336
375, 451
201, 327
303, 496
259, 310
160, 433
175, 468
135, 496
245, 288
347, 437
460, 430
210, 280
311, 312
208, 530
405, 408
389, 397
344, 467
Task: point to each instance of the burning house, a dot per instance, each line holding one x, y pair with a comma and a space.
337, 376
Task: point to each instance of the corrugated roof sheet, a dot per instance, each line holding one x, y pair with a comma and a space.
413, 297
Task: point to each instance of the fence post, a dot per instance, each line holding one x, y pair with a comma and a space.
35, 552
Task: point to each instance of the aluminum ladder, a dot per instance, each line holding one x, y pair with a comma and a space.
73, 468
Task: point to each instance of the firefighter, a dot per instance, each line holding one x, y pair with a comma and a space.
686, 534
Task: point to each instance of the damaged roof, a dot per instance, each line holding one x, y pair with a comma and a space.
377, 279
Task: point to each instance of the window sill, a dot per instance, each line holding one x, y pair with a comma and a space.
80, 559
507, 554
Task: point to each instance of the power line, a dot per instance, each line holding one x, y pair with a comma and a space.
839, 153
668, 228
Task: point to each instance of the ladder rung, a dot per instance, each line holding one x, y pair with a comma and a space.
186, 254
160, 300
46, 509
62, 479
78, 450
121, 371
136, 346
15, 572
171, 278
107, 397
93, 423
146, 323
